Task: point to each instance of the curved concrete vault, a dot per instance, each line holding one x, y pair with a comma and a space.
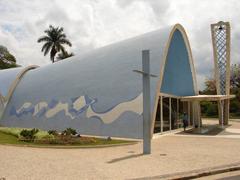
97, 93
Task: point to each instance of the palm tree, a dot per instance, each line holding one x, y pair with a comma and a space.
54, 41
64, 55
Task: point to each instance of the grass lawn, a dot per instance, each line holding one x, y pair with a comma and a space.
16, 132
10, 136
9, 139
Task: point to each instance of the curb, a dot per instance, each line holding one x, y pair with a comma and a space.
198, 173
72, 147
206, 173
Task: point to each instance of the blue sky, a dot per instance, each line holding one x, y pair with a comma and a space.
91, 24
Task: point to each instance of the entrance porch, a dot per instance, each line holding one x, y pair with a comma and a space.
170, 110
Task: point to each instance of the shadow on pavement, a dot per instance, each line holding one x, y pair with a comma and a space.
210, 130
125, 158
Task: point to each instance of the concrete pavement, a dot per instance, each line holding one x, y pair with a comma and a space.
171, 154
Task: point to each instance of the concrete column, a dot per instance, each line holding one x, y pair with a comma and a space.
222, 112
161, 114
226, 111
188, 112
146, 103
192, 111
178, 113
170, 112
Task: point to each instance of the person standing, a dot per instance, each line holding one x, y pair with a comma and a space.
185, 120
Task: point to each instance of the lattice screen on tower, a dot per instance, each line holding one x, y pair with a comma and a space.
220, 39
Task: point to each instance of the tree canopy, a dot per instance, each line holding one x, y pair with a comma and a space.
64, 55
210, 84
54, 41
7, 60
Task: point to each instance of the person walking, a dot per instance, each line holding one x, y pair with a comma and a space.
185, 120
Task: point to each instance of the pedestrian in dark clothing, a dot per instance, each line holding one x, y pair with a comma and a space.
185, 120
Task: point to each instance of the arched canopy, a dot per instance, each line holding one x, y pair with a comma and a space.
97, 93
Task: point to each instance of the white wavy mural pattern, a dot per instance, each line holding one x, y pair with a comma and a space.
79, 106
58, 108
38, 107
135, 106
26, 105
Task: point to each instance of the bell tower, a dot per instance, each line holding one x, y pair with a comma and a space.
221, 52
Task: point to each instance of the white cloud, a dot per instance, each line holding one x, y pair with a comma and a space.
94, 23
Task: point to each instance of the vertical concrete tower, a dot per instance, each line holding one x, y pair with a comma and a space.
221, 52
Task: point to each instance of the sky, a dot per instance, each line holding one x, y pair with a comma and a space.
90, 24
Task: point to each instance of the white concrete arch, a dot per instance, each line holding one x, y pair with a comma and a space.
17, 80
162, 66
5, 99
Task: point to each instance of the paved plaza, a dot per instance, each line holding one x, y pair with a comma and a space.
171, 154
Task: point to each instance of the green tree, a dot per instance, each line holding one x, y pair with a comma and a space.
7, 60
210, 85
54, 40
212, 109
64, 55
234, 89
235, 76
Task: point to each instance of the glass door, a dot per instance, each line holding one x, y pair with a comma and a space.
166, 114
174, 113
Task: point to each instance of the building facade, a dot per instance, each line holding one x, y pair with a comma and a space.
98, 93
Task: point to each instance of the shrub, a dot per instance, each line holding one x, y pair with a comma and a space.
212, 110
234, 106
47, 139
84, 140
205, 106
69, 132
49, 136
53, 132
28, 135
